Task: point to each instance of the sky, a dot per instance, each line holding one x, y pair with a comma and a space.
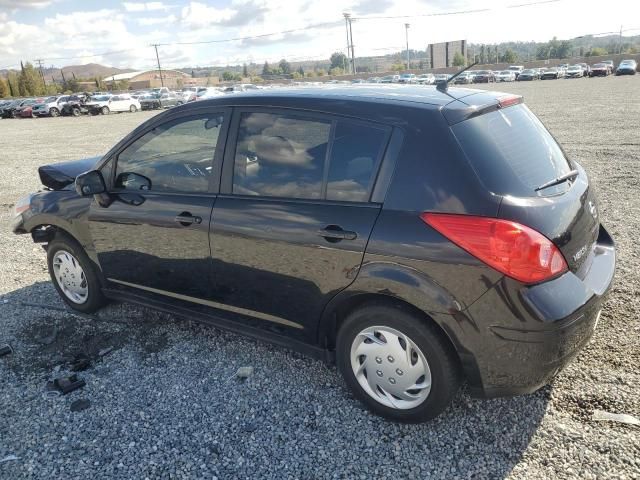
120, 33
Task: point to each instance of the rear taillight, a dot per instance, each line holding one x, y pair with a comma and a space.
513, 249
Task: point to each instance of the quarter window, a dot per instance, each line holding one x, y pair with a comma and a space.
355, 153
174, 157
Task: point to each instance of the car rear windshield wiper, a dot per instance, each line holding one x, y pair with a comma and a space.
556, 181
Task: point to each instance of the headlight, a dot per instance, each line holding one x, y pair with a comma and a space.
22, 205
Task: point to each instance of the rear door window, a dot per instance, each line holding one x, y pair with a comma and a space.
512, 152
304, 157
280, 156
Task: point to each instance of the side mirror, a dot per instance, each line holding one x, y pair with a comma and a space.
133, 181
90, 183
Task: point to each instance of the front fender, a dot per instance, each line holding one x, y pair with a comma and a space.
63, 209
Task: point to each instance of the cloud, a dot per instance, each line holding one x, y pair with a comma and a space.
197, 15
149, 21
369, 7
18, 4
143, 6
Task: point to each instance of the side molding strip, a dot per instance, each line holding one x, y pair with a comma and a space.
209, 303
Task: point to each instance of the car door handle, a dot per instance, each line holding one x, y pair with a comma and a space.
335, 233
185, 219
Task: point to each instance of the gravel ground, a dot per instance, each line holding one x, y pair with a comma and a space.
165, 402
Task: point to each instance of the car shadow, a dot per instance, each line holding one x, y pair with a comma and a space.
473, 438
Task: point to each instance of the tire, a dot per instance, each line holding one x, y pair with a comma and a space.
427, 345
64, 256
54, 112
75, 112
133, 109
104, 110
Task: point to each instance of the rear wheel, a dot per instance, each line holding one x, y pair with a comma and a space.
73, 275
104, 110
54, 112
75, 111
133, 109
396, 363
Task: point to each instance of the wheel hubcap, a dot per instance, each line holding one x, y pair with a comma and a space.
390, 367
70, 277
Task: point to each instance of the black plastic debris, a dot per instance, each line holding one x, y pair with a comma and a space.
68, 384
5, 350
80, 405
80, 363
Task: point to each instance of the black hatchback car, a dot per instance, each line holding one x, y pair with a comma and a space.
415, 237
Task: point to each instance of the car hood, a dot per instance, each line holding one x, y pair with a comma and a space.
57, 176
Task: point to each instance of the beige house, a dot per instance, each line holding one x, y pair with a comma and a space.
149, 79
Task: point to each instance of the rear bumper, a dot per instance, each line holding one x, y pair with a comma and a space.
520, 336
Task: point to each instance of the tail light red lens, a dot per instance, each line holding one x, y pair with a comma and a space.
511, 248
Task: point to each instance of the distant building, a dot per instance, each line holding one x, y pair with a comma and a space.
440, 55
149, 79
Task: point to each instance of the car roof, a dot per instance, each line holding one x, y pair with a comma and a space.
419, 95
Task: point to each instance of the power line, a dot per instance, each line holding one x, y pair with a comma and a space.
252, 37
457, 12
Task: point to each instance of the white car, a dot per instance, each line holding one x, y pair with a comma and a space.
426, 79
52, 106
506, 76
124, 103
209, 92
106, 104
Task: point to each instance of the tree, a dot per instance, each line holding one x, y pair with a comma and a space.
266, 70
4, 88
301, 71
245, 71
597, 52
285, 67
12, 83
339, 59
30, 82
336, 71
509, 56
458, 60
227, 76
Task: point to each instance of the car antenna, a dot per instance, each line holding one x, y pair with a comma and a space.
443, 85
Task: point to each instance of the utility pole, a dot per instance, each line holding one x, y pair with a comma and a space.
620, 40
155, 45
406, 34
39, 62
348, 19
346, 24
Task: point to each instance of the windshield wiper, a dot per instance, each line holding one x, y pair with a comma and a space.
557, 181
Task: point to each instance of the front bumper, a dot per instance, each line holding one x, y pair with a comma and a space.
515, 338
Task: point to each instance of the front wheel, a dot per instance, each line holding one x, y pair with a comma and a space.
133, 109
75, 112
399, 365
104, 110
54, 112
73, 275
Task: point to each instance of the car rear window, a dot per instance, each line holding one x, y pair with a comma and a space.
512, 152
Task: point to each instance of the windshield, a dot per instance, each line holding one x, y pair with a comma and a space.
512, 152
100, 98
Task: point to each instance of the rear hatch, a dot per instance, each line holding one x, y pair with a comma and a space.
514, 155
